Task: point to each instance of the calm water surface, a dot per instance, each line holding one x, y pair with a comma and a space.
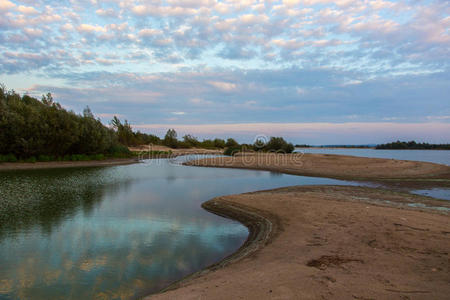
435, 156
118, 232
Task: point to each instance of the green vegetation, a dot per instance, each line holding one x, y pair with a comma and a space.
34, 130
413, 145
278, 144
126, 136
41, 130
275, 144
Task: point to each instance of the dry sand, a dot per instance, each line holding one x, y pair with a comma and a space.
178, 151
329, 242
332, 166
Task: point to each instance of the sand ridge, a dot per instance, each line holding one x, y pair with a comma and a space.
331, 166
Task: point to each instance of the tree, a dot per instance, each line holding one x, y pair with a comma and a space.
231, 143
170, 139
190, 141
219, 143
279, 144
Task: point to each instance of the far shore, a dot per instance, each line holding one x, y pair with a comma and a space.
332, 166
67, 164
110, 162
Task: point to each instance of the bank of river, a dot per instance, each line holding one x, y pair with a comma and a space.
117, 232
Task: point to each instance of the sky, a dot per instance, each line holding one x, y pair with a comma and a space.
313, 71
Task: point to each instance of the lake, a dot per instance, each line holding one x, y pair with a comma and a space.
434, 156
117, 232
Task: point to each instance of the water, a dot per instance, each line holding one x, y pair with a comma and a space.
434, 156
118, 232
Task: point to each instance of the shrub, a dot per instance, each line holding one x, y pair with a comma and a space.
31, 159
231, 151
8, 158
44, 158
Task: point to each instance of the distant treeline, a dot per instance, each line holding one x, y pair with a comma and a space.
413, 145
42, 130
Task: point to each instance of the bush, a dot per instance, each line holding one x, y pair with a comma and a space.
31, 159
278, 144
44, 158
98, 157
231, 151
8, 158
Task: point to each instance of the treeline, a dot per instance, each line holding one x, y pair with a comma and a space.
128, 137
42, 130
231, 146
275, 144
413, 145
32, 129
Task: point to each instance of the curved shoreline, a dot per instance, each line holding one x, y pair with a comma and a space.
263, 257
341, 167
262, 227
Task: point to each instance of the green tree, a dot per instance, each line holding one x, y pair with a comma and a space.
278, 144
170, 139
231, 143
190, 141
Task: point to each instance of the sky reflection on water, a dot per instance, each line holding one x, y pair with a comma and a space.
118, 232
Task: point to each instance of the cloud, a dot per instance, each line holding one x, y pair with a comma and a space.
234, 61
27, 10
88, 28
106, 12
6, 5
224, 86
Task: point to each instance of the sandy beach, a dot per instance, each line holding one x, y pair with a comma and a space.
329, 242
332, 166
177, 151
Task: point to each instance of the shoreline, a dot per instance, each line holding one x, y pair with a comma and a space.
262, 226
200, 284
67, 164
242, 264
8, 166
342, 167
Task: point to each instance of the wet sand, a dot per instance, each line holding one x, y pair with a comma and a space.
329, 242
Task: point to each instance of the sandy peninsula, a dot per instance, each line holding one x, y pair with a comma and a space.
329, 242
177, 151
332, 166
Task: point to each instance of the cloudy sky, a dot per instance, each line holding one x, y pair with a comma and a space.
314, 71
